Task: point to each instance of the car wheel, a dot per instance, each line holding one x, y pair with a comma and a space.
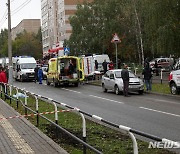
47, 82
173, 89
141, 92
116, 90
104, 89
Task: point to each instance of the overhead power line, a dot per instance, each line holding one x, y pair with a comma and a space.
3, 19
20, 7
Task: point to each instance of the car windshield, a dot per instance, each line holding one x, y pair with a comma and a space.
28, 66
118, 74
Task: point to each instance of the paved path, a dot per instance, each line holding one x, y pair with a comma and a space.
20, 136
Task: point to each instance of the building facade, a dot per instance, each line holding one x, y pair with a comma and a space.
55, 21
29, 25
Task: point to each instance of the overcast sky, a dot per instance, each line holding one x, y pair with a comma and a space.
20, 9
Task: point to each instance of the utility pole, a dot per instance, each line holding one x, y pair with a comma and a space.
10, 45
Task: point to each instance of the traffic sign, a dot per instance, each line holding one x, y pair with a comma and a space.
66, 50
115, 39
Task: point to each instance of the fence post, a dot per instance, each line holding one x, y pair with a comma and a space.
17, 98
127, 129
37, 110
56, 114
25, 102
84, 129
162, 74
10, 93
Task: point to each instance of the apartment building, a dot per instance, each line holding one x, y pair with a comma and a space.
55, 21
30, 25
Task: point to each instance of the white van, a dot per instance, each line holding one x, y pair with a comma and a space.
23, 68
89, 64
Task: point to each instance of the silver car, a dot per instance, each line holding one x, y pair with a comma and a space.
112, 80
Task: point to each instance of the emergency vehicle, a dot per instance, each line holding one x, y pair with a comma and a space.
89, 64
59, 71
23, 68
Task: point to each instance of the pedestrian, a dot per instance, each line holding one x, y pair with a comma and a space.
36, 73
156, 68
40, 75
111, 65
104, 64
96, 65
125, 78
147, 72
4, 81
71, 69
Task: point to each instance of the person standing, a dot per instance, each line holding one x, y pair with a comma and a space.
36, 73
96, 65
40, 75
71, 69
4, 81
111, 65
104, 64
147, 72
125, 78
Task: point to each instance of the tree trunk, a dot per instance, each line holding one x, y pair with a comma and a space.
139, 33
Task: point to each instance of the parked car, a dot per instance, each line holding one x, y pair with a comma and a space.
174, 82
112, 80
165, 63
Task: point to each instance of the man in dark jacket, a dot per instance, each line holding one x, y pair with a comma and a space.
125, 78
147, 72
36, 73
104, 64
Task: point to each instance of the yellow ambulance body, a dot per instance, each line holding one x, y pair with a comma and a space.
59, 71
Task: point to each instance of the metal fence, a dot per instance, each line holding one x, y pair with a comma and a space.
24, 94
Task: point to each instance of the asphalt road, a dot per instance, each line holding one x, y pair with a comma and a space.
154, 114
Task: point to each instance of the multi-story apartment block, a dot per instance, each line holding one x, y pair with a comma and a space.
29, 25
66, 9
55, 21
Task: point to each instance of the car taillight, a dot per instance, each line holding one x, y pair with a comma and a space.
170, 76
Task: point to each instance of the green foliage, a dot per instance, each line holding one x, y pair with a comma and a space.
94, 23
25, 44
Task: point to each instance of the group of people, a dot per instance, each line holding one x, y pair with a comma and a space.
38, 74
147, 73
105, 65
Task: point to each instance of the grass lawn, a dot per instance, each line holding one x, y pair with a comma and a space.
161, 88
103, 138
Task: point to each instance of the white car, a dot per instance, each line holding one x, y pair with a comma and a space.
174, 82
112, 80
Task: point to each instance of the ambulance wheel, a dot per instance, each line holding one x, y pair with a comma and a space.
76, 84
55, 84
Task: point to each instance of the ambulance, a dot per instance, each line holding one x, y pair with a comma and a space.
59, 71
23, 68
89, 64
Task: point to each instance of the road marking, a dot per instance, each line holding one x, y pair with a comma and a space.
19, 143
161, 100
176, 115
106, 99
71, 90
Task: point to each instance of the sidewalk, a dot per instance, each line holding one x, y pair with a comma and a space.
19, 136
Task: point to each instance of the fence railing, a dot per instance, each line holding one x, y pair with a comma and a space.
128, 130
